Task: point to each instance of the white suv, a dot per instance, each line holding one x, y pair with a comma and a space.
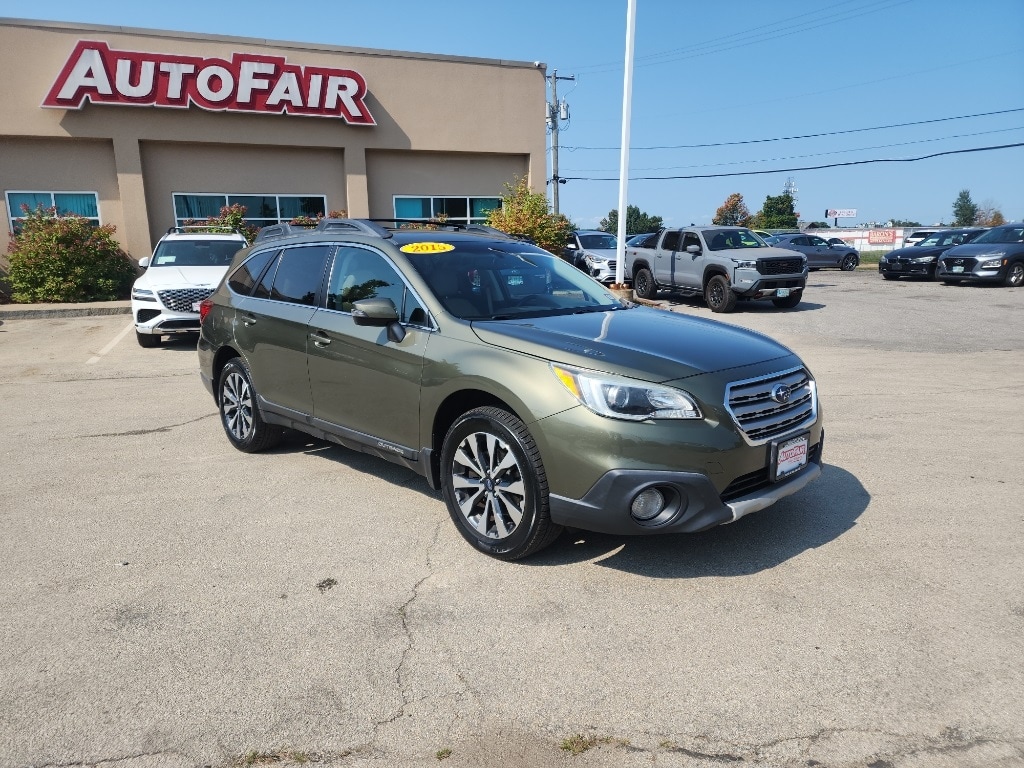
186, 267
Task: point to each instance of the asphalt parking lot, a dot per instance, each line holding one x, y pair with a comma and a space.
169, 601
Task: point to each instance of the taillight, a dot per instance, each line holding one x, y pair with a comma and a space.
204, 308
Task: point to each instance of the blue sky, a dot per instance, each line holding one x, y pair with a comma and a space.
747, 75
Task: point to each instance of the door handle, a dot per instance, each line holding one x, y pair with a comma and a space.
248, 320
319, 339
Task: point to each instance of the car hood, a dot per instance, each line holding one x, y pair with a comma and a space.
159, 278
643, 343
917, 251
601, 253
982, 249
771, 252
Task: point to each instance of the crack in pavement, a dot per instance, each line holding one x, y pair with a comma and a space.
151, 431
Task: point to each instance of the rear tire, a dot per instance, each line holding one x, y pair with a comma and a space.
790, 301
643, 284
495, 486
718, 294
240, 411
148, 340
849, 263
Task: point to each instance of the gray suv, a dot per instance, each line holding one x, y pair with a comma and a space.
520, 387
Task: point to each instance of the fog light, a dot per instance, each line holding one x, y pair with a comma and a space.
647, 505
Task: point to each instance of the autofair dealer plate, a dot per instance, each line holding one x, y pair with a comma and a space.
789, 456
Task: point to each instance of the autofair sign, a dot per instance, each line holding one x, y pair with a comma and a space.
841, 213
247, 83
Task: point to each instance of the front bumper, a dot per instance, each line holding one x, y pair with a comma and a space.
913, 268
976, 272
697, 505
152, 318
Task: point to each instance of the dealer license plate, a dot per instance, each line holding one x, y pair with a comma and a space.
789, 456
782, 292
956, 269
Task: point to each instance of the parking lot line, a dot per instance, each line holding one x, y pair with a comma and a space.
113, 343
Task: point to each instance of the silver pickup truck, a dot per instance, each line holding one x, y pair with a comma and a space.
722, 264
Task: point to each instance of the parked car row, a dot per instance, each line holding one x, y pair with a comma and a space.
968, 254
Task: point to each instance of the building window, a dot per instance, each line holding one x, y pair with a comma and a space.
459, 210
260, 210
66, 203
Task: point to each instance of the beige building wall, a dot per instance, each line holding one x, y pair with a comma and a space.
445, 126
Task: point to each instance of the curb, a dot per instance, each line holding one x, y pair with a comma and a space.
28, 312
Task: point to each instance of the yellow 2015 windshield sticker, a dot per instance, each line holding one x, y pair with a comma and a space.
427, 247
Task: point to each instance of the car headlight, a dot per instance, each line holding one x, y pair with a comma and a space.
924, 259
595, 261
992, 263
620, 398
143, 294
745, 263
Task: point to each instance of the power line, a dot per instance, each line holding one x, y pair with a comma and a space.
815, 154
806, 136
760, 34
805, 168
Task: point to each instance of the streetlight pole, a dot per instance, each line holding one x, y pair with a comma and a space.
554, 114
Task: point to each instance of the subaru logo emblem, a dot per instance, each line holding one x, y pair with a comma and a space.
781, 393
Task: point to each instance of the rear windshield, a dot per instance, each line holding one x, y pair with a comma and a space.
195, 253
504, 280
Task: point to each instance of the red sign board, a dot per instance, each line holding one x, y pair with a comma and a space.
881, 236
246, 83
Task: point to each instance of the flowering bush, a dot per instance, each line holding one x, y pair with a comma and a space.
232, 218
66, 259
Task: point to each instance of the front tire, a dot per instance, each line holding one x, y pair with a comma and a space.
849, 263
719, 295
1015, 275
643, 284
240, 412
495, 486
147, 340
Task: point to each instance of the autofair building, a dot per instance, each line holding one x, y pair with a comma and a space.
147, 129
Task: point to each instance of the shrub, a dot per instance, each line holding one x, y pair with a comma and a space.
66, 259
232, 218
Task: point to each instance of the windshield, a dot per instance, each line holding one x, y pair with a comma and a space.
598, 242
1014, 234
721, 239
195, 253
944, 238
496, 280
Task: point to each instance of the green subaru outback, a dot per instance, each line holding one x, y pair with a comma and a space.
524, 390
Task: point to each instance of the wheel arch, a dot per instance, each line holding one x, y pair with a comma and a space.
220, 359
449, 409
641, 264
712, 270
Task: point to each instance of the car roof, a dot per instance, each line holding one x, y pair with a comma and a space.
372, 230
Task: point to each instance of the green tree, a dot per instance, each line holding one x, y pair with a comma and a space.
905, 223
733, 212
66, 259
965, 210
819, 225
523, 212
777, 213
637, 222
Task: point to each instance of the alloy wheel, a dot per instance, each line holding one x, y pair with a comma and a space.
236, 405
488, 484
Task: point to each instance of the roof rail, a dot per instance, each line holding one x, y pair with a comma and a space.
360, 226
183, 228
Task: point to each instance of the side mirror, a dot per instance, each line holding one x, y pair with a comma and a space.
144, 262
693, 249
571, 246
379, 313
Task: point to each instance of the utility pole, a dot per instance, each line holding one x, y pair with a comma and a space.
556, 112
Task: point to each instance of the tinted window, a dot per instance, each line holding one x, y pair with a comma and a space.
599, 242
690, 239
814, 240
244, 278
360, 273
195, 253
651, 241
300, 274
1010, 234
671, 241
